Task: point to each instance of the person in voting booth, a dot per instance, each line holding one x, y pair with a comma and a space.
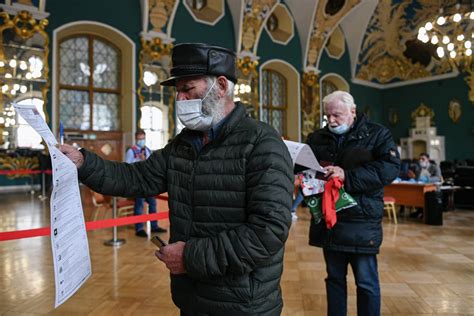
363, 156
136, 153
229, 180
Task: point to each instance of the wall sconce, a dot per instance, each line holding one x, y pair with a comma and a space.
242, 92
18, 73
150, 78
23, 65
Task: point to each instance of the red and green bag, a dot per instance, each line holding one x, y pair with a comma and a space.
314, 204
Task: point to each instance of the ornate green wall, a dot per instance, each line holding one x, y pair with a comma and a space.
459, 137
187, 30
125, 15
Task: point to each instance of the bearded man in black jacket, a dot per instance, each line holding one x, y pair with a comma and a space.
229, 180
364, 156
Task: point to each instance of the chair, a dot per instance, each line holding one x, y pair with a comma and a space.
389, 206
125, 207
99, 202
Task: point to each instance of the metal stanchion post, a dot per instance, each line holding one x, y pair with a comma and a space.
43, 196
114, 241
32, 185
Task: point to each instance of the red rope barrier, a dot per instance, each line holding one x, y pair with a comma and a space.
24, 172
93, 225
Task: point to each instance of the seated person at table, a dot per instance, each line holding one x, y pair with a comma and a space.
409, 170
429, 171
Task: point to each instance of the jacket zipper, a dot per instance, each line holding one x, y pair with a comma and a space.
191, 189
191, 192
191, 186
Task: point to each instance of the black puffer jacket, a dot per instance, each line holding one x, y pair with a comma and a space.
230, 204
370, 161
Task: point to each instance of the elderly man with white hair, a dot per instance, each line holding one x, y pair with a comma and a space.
229, 180
363, 155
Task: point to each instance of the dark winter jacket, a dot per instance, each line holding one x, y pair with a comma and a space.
230, 203
370, 160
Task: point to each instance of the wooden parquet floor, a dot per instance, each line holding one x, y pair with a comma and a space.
424, 270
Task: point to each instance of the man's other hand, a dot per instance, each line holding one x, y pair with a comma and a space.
73, 154
334, 171
173, 257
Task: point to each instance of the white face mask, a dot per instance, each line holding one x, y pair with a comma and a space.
339, 130
190, 113
424, 164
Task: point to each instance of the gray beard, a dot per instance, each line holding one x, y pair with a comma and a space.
214, 106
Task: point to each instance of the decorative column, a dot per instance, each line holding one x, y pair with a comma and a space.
246, 90
310, 100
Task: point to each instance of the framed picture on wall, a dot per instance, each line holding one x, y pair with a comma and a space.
38, 4
367, 111
393, 116
454, 110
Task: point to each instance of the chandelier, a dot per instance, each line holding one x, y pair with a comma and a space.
452, 33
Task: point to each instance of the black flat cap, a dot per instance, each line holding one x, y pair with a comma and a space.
195, 59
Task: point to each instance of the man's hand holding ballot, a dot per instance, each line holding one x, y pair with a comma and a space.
73, 154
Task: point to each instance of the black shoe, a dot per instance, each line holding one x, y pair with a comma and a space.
141, 233
159, 230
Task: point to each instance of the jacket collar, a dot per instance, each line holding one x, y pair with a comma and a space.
232, 120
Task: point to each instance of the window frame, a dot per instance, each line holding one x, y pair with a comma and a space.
270, 108
164, 123
90, 88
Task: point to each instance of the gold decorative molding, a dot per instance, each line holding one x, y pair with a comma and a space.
155, 51
385, 68
422, 111
25, 26
247, 66
18, 163
470, 82
382, 53
247, 71
310, 110
255, 13
323, 25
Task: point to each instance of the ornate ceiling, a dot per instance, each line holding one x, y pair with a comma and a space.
380, 35
390, 51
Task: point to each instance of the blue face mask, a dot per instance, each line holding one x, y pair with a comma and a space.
190, 113
141, 143
339, 130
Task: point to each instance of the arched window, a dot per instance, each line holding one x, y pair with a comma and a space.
328, 87
274, 100
154, 122
26, 136
89, 84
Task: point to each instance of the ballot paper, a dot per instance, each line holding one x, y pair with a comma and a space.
71, 257
301, 154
